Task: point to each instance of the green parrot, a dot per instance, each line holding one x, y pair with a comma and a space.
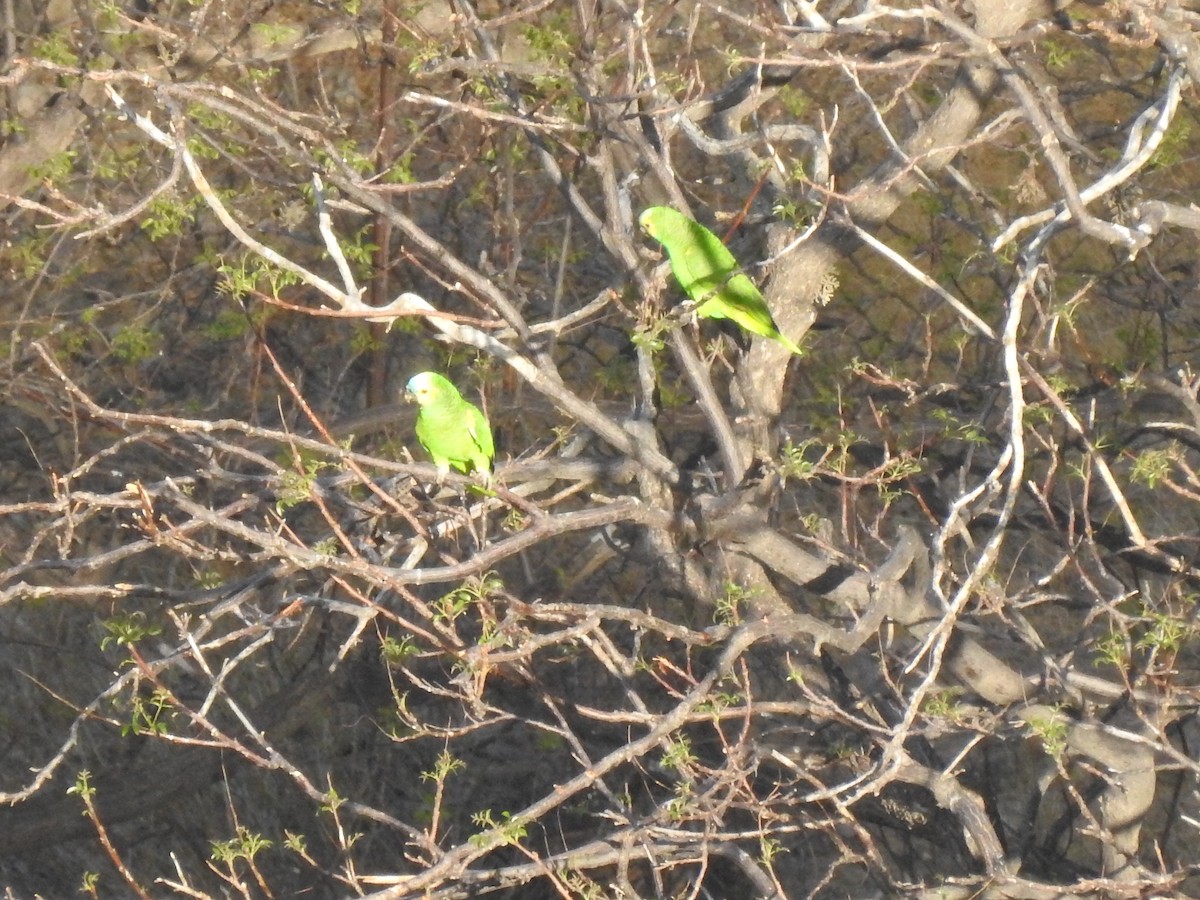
709, 274
452, 429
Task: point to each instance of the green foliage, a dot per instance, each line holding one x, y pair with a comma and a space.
1142, 344
847, 751
796, 174
580, 887
1007, 254
514, 520
228, 325
734, 60
794, 460
789, 210
548, 741
839, 458
678, 754
1150, 467
295, 842
237, 280
328, 546
106, 164
127, 629
201, 115
500, 151
297, 481
769, 848
365, 339
209, 579
1113, 649
957, 430
559, 91
89, 882
203, 149
149, 716
1036, 414
26, 256
795, 673
396, 653
794, 101
345, 153
681, 802
812, 522
672, 393
135, 343
55, 48
727, 609
360, 250
83, 785
508, 830
450, 606
425, 55
1053, 730
1166, 633
401, 170
54, 169
897, 469
717, 703
550, 42
931, 204
1060, 54
1173, 148
108, 14
246, 845
445, 766
943, 703
167, 214
333, 800
1059, 382
618, 373
492, 637
275, 33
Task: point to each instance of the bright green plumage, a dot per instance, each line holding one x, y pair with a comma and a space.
709, 274
451, 429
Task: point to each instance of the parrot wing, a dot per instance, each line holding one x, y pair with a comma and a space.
481, 434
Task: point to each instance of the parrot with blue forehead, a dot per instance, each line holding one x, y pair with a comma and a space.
450, 428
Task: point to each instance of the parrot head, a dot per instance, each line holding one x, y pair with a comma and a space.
425, 388
648, 222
